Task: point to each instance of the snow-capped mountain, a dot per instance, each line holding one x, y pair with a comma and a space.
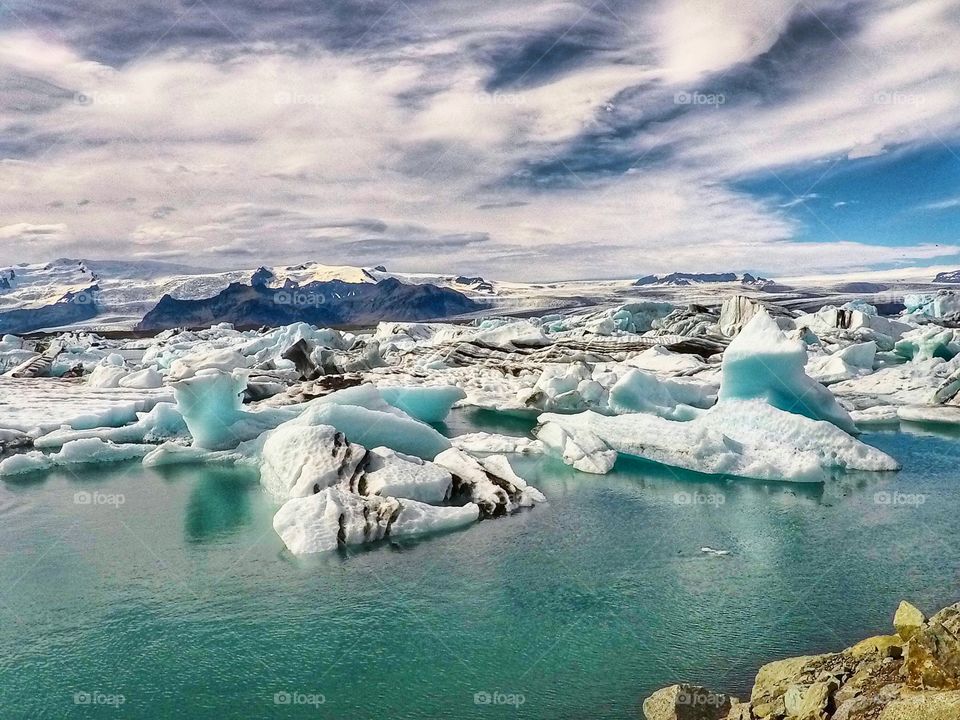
948, 277
683, 278
118, 294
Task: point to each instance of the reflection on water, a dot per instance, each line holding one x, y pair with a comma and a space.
219, 503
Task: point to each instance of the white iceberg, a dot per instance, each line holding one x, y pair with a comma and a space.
763, 363
84, 451
741, 438
210, 403
163, 422
392, 474
373, 428
489, 482
336, 517
427, 404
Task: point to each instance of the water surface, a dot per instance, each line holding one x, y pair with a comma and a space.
171, 590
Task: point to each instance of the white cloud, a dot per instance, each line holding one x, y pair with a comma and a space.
274, 151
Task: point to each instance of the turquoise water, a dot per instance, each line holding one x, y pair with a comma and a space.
181, 601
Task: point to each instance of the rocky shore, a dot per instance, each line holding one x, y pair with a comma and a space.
913, 674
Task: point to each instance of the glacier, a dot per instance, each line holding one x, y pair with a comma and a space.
345, 424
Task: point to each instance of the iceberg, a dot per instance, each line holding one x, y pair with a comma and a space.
373, 428
763, 363
749, 439
296, 461
210, 403
490, 443
846, 363
639, 391
929, 342
336, 517
163, 422
427, 404
578, 447
392, 474
86, 450
489, 482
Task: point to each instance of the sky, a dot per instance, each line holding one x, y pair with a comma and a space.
520, 139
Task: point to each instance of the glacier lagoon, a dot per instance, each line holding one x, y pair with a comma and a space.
132, 591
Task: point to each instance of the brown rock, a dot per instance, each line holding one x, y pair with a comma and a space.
739, 711
776, 678
687, 702
908, 620
859, 708
924, 706
932, 655
811, 702
883, 645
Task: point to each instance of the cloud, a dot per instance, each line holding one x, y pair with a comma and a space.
589, 140
948, 204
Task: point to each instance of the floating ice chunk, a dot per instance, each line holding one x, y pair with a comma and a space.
945, 303
295, 461
33, 461
163, 422
337, 517
107, 375
913, 383
417, 518
847, 322
87, 450
935, 414
489, 482
210, 404
578, 447
763, 363
849, 362
660, 360
146, 378
746, 439
876, 415
564, 387
225, 359
10, 439
38, 405
507, 334
394, 474
427, 404
639, 391
736, 312
930, 341
373, 428
715, 553
484, 443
